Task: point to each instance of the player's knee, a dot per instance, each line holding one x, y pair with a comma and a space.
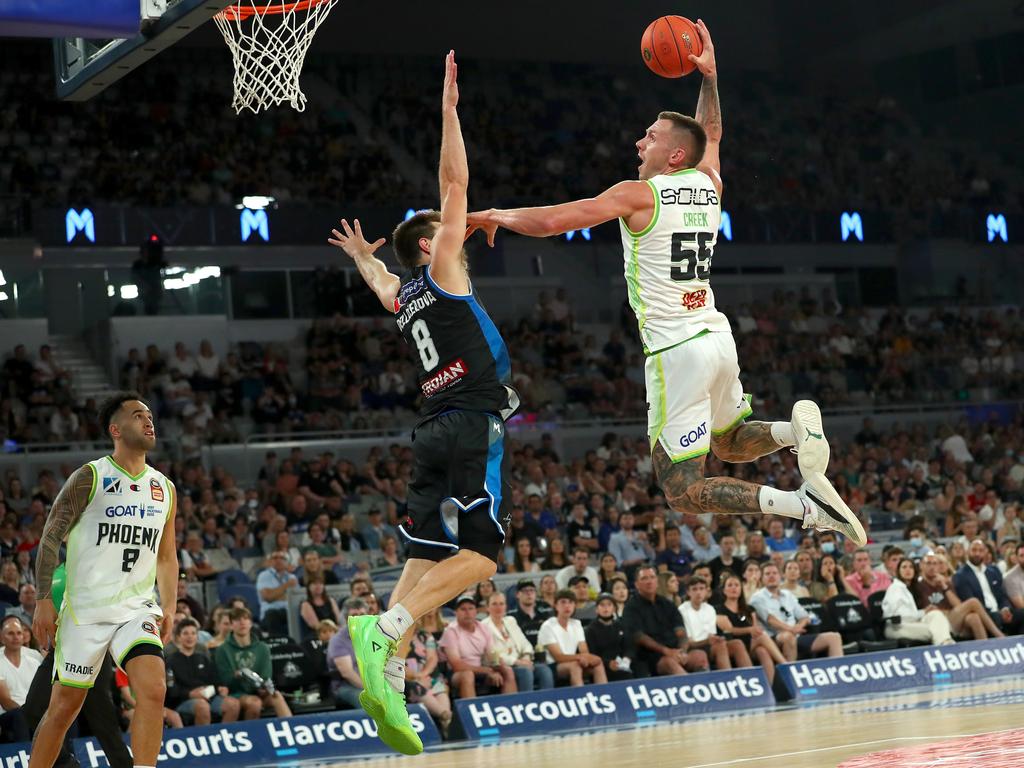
724, 446
152, 692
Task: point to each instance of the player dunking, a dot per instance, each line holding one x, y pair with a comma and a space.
117, 514
669, 223
454, 529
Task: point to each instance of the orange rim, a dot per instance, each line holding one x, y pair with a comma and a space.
235, 12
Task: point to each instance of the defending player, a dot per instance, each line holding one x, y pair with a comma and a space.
669, 222
117, 514
454, 527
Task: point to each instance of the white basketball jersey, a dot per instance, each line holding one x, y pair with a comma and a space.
668, 264
112, 549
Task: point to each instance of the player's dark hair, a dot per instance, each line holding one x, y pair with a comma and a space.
405, 240
113, 404
695, 131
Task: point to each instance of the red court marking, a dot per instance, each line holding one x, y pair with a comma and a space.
986, 750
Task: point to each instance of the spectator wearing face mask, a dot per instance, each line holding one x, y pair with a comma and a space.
606, 638
918, 544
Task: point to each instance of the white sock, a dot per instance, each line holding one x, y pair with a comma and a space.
394, 673
782, 432
395, 622
776, 502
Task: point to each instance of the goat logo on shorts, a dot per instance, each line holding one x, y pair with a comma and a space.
694, 435
147, 626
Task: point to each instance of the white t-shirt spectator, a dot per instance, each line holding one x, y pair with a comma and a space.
957, 447
187, 365
208, 367
567, 639
64, 427
19, 678
700, 624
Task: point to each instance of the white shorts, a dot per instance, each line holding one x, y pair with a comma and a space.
694, 392
80, 648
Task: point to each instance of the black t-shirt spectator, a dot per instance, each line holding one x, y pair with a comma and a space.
525, 530
531, 625
584, 529
189, 672
718, 568
739, 620
678, 563
348, 538
8, 595
318, 483
659, 620
607, 640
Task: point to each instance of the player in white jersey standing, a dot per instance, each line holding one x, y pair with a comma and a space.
669, 221
117, 514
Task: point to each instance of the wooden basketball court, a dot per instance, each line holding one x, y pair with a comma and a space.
818, 735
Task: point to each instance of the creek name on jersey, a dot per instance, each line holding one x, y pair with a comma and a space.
408, 303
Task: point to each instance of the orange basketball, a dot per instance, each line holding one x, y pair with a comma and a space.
666, 44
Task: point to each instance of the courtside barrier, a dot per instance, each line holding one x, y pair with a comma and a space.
328, 736
630, 702
821, 679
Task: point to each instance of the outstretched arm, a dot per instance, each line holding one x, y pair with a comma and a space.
709, 109
372, 269
624, 199
446, 267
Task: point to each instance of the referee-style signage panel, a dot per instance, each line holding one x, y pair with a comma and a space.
331, 736
593, 706
899, 670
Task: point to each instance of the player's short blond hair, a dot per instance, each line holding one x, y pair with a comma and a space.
691, 131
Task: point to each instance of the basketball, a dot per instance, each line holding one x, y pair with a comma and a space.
666, 44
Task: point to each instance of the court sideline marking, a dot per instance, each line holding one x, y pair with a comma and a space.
738, 761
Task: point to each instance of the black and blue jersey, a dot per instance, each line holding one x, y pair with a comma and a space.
462, 360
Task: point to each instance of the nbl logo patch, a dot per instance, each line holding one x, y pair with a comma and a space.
112, 486
156, 490
148, 627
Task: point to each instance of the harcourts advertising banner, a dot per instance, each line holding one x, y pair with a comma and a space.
635, 701
329, 736
902, 669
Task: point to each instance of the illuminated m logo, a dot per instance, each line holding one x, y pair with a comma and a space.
255, 221
850, 223
996, 226
726, 226
75, 222
584, 233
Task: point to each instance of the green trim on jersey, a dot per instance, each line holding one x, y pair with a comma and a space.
738, 420
688, 456
658, 403
92, 491
636, 301
125, 471
697, 335
680, 173
654, 216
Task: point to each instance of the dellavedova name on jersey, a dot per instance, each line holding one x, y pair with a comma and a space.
409, 310
126, 533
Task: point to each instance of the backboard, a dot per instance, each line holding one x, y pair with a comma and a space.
86, 60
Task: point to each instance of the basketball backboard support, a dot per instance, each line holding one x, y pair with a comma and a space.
84, 66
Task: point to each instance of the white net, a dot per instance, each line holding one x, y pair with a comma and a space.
268, 41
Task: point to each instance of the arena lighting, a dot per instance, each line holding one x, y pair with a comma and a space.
3, 280
75, 222
255, 221
129, 291
409, 214
188, 278
995, 224
255, 202
111, 291
3, 296
851, 224
584, 233
726, 226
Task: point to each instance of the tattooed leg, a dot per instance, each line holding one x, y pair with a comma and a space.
687, 490
748, 441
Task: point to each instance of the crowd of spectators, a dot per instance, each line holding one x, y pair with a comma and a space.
610, 582
535, 132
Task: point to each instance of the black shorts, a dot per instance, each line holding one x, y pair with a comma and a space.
457, 475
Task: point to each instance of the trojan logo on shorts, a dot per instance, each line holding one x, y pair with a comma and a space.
156, 490
694, 435
147, 626
695, 299
112, 486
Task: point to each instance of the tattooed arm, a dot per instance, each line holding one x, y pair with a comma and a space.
67, 508
709, 109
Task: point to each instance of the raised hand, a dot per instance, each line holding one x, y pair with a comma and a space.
352, 242
706, 61
450, 97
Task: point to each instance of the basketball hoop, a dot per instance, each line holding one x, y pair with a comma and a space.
268, 43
